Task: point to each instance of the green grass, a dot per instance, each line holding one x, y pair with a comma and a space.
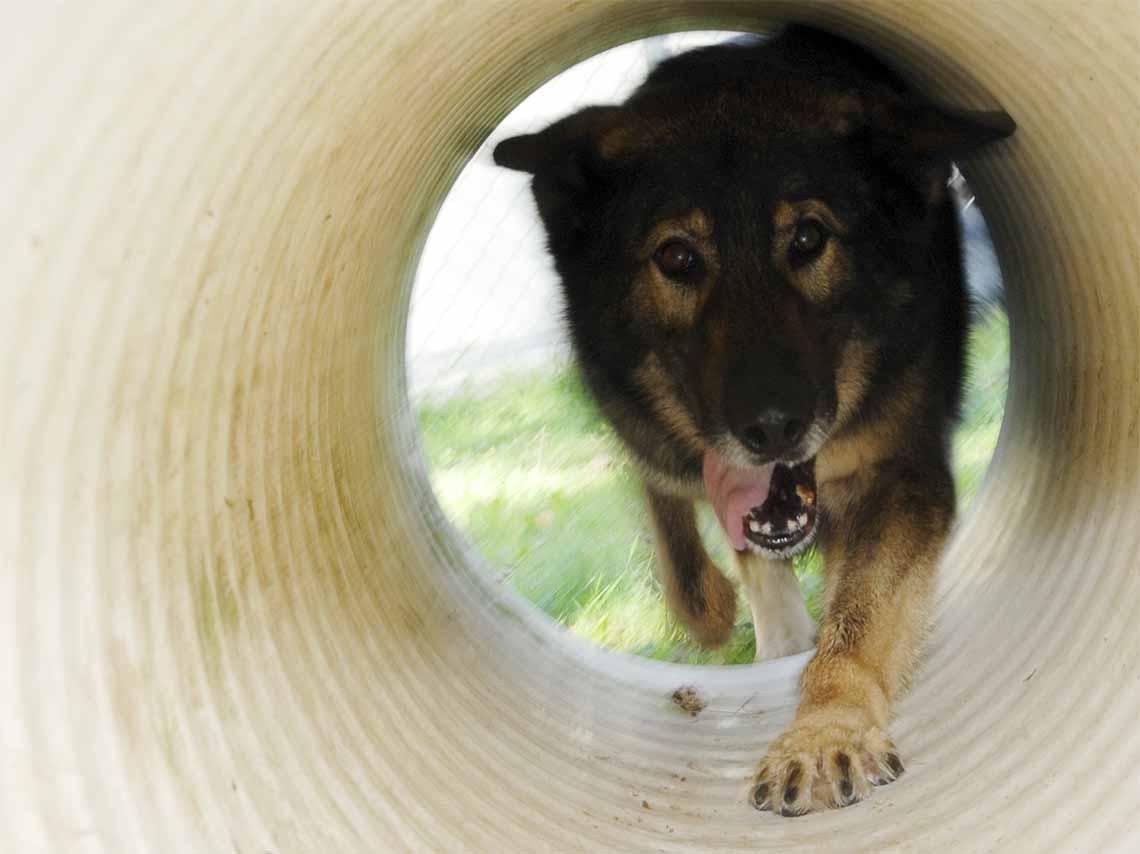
535, 479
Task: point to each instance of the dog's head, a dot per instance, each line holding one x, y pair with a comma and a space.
742, 241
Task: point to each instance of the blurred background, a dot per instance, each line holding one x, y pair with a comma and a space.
519, 457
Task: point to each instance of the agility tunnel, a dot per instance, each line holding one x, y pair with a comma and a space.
232, 615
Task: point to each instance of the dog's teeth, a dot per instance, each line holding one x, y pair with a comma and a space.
753, 526
766, 528
802, 519
790, 525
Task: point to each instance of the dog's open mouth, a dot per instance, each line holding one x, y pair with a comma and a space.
770, 509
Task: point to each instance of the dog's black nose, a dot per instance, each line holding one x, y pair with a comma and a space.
769, 404
774, 433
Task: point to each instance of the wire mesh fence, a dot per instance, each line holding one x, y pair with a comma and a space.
520, 460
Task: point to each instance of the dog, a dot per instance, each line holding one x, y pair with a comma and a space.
762, 273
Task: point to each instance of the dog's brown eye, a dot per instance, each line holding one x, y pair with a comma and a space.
676, 259
808, 239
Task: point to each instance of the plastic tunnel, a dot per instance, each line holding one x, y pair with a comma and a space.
232, 615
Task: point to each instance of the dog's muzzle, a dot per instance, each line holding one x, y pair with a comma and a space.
784, 525
770, 509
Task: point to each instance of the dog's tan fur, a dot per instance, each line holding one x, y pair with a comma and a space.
695, 588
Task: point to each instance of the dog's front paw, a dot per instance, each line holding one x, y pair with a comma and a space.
829, 757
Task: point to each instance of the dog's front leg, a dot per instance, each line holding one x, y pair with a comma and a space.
882, 551
697, 591
780, 617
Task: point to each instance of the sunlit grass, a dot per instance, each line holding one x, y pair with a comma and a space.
535, 479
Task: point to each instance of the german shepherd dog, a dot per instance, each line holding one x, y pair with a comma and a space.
763, 282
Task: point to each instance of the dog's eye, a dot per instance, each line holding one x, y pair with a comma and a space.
808, 239
676, 259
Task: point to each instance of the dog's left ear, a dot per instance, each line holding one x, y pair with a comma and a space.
935, 132
921, 140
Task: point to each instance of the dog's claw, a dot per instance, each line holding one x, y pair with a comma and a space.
760, 797
791, 785
895, 764
846, 786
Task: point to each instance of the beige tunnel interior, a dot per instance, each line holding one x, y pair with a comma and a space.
232, 616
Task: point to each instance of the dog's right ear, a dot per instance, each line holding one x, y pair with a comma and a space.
563, 151
570, 161
521, 153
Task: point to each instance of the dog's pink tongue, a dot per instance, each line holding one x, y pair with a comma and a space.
734, 492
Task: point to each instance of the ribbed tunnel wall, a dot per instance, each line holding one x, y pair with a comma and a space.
232, 617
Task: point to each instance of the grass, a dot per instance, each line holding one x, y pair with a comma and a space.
535, 479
